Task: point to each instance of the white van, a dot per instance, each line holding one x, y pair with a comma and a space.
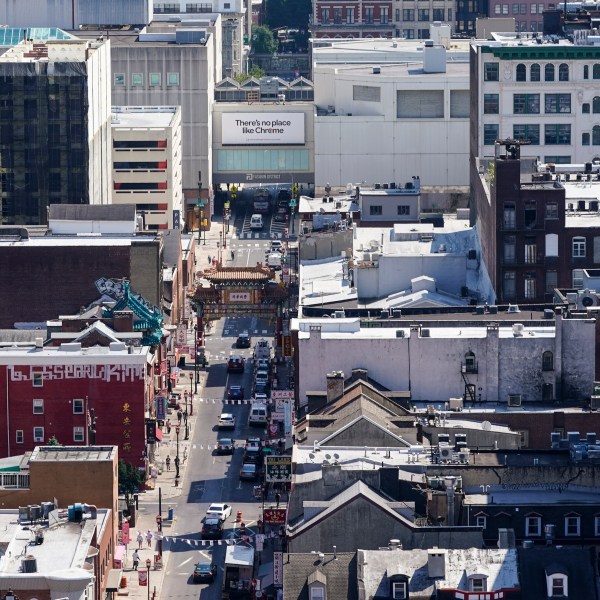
258, 414
274, 261
256, 222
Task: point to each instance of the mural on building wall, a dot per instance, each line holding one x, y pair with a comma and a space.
107, 373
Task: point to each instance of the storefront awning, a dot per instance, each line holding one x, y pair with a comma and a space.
113, 580
159, 434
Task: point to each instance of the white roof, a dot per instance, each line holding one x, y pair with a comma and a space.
239, 555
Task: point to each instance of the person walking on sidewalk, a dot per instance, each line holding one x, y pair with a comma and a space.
149, 538
209, 260
232, 255
140, 540
179, 416
168, 463
136, 559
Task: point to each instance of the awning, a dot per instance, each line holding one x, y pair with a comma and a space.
159, 434
113, 581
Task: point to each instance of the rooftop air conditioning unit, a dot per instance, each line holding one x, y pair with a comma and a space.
513, 308
400, 334
587, 298
514, 399
339, 314
425, 333
463, 456
595, 403
446, 453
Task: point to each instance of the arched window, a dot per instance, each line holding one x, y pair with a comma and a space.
534, 72
586, 72
585, 108
549, 72
596, 71
470, 362
596, 136
596, 105
521, 72
585, 139
547, 361
563, 72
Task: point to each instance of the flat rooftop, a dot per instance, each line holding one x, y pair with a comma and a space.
410, 68
143, 116
535, 496
73, 453
62, 51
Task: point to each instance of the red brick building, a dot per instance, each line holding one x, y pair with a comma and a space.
352, 19
54, 391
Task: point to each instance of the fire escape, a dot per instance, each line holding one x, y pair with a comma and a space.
469, 367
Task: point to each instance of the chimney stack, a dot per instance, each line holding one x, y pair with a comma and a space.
335, 385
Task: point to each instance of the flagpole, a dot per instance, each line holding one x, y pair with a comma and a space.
87, 423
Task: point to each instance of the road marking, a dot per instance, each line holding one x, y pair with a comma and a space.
239, 487
187, 560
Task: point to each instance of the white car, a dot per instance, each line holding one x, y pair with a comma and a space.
219, 510
226, 421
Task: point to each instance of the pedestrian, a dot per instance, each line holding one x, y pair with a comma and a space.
232, 255
168, 463
179, 416
277, 498
140, 539
149, 538
169, 427
185, 454
209, 260
185, 415
136, 559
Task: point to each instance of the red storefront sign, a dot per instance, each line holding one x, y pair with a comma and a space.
274, 516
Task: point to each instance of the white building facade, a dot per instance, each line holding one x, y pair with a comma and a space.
391, 121
435, 361
535, 90
146, 156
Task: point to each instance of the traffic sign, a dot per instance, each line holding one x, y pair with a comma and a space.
293, 204
279, 469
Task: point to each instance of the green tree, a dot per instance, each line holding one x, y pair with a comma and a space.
292, 14
53, 441
130, 479
263, 41
254, 72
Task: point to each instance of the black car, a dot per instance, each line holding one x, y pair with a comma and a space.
243, 340
212, 529
225, 446
253, 456
204, 572
284, 196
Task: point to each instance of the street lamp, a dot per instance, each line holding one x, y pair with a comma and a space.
159, 524
177, 430
148, 565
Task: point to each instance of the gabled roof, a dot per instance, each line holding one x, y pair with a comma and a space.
227, 83
100, 328
355, 421
301, 82
339, 573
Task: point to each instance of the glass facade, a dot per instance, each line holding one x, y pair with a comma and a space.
255, 159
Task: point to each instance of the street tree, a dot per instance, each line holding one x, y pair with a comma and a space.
130, 480
263, 41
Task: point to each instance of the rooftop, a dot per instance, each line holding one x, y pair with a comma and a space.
73, 453
523, 496
70, 50
11, 36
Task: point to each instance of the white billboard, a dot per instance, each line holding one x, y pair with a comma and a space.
241, 129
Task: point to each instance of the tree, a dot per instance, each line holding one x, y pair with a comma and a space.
130, 479
292, 14
53, 441
255, 71
263, 41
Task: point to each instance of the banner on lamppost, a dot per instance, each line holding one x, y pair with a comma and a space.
143, 577
278, 569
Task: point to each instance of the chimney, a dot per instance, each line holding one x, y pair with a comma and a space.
335, 385
436, 563
450, 485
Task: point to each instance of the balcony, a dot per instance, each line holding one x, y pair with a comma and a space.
19, 481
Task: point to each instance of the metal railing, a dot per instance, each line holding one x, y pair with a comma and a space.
14, 480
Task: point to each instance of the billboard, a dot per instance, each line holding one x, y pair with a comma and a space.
240, 129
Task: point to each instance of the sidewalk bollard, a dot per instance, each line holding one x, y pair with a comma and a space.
171, 513
238, 518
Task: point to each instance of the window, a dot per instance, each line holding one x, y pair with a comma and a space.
119, 78
530, 214
534, 72
572, 525
515, 11
420, 104
596, 71
597, 525
530, 291
527, 132
481, 522
78, 434
438, 14
172, 78
557, 134
530, 250
477, 584
578, 247
559, 159
408, 14
383, 15
563, 72
449, 14
521, 69
586, 72
533, 526
399, 590
526, 104
551, 281
366, 93
509, 220
491, 104
19, 437
38, 407
585, 108
137, 79
423, 34
549, 72
490, 134
596, 105
38, 434
408, 34
557, 103
337, 16
423, 14
547, 361
459, 104
317, 592
350, 15
510, 245
325, 16
491, 71
596, 135
558, 586
376, 211
585, 139
155, 78
551, 211
38, 379
403, 210
509, 285
577, 278
368, 14
78, 406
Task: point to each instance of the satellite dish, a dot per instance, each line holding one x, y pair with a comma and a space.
336, 456
311, 456
325, 462
486, 426
328, 456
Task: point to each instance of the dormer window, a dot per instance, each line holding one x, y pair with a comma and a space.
398, 586
317, 586
557, 581
477, 582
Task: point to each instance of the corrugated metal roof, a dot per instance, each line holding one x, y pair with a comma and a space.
88, 212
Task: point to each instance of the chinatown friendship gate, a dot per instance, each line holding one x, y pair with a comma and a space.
238, 291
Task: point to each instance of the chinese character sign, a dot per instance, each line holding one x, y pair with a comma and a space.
279, 469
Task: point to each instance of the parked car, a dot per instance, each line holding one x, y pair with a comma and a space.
253, 455
262, 363
225, 446
243, 340
235, 392
281, 216
254, 441
219, 510
276, 246
284, 196
236, 364
204, 572
212, 529
226, 421
261, 398
249, 472
261, 388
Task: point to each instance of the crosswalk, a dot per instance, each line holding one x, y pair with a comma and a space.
260, 235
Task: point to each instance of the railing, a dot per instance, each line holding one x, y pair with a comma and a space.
470, 367
14, 480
